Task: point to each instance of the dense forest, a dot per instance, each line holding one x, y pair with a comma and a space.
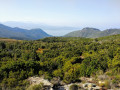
68, 58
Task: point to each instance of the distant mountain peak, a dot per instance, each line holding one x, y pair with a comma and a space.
38, 29
17, 28
19, 33
89, 28
92, 33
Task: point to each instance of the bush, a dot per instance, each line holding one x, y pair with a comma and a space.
41, 73
74, 87
116, 79
105, 84
0, 88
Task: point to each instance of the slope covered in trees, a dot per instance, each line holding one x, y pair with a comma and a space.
92, 33
22, 34
66, 58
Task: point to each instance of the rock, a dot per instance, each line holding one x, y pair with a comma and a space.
103, 77
55, 81
91, 86
62, 83
38, 80
101, 82
86, 79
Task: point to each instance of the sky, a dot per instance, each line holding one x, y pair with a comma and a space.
75, 13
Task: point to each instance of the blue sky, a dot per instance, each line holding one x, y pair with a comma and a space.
78, 13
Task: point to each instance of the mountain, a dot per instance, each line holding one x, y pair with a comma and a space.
51, 29
92, 33
22, 34
109, 32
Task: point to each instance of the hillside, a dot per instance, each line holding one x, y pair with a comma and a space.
8, 40
61, 60
51, 29
22, 34
92, 33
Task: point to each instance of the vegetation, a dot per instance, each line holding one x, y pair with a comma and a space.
64, 58
92, 33
22, 34
74, 87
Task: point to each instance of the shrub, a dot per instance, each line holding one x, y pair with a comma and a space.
41, 72
105, 84
74, 87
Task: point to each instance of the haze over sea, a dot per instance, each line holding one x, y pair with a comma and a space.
101, 14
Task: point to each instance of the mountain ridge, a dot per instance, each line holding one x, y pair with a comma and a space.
24, 34
92, 33
37, 33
